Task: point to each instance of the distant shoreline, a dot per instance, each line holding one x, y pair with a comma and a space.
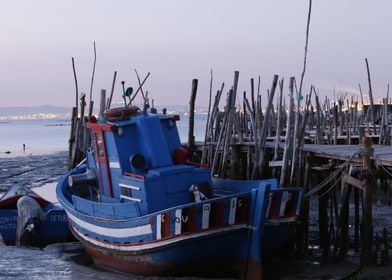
8, 154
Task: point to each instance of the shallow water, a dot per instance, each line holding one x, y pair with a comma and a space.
32, 171
39, 136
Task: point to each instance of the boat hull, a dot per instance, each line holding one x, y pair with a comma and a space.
223, 233
53, 229
213, 254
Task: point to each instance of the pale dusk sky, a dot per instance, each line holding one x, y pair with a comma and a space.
179, 40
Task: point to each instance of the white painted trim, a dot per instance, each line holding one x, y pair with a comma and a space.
178, 222
153, 245
131, 198
112, 232
159, 226
114, 164
205, 220
129, 187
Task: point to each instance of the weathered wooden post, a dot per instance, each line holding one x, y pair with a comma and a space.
109, 103
373, 115
71, 141
325, 242
344, 219
191, 136
356, 219
230, 124
367, 223
81, 132
361, 134
102, 104
263, 135
335, 124
319, 130
303, 232
288, 138
385, 252
206, 134
278, 121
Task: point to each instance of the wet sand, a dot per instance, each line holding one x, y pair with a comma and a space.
32, 171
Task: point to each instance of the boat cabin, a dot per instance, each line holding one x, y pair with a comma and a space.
140, 161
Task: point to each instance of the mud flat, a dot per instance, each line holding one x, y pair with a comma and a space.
32, 171
69, 260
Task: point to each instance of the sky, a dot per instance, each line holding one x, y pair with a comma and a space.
180, 40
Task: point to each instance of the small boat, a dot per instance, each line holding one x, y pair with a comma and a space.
28, 219
140, 207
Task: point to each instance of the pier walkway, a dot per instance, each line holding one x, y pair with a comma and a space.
381, 154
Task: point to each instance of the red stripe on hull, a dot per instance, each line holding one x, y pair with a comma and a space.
141, 265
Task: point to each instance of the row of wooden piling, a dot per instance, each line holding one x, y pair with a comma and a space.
248, 142
287, 126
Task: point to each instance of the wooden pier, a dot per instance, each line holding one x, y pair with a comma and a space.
382, 155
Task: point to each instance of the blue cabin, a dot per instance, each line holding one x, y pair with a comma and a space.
141, 160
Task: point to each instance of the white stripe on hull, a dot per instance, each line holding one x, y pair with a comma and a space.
154, 245
112, 232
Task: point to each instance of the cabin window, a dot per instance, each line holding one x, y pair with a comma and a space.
100, 146
126, 192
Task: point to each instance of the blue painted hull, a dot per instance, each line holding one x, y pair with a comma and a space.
53, 229
141, 207
226, 232
197, 256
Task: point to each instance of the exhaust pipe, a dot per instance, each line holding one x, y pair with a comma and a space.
87, 178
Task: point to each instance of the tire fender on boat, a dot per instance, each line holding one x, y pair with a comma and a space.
122, 113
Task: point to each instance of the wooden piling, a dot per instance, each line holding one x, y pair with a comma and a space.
373, 115
191, 136
263, 133
367, 223
344, 220
303, 232
288, 138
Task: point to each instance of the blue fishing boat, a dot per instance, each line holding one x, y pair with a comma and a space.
140, 207
28, 219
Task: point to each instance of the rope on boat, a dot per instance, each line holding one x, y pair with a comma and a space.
332, 176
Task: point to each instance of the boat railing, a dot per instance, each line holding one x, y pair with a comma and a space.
212, 214
284, 205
